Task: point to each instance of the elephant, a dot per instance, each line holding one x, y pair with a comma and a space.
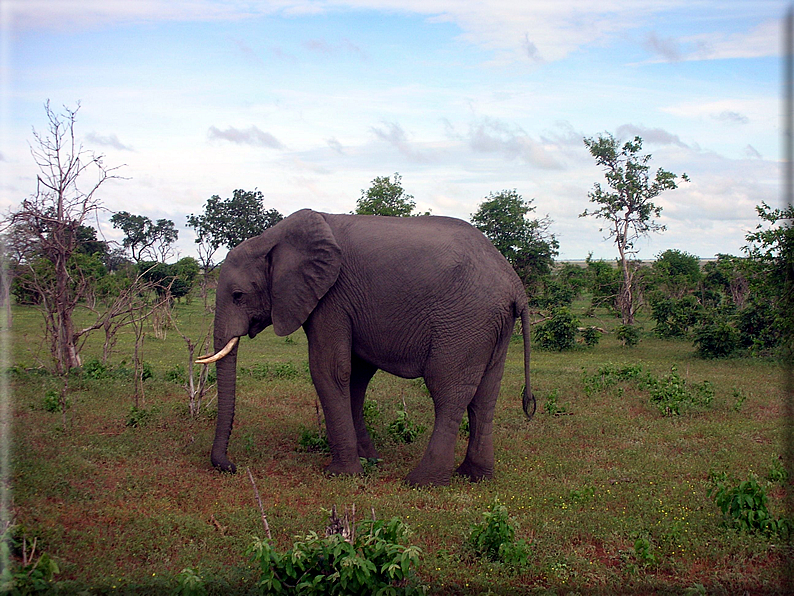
425, 296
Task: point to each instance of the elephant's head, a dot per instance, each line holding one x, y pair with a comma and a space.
275, 278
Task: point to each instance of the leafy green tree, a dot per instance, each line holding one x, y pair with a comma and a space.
676, 273
386, 197
604, 283
627, 206
526, 243
226, 223
145, 239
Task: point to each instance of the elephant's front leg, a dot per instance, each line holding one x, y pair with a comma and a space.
331, 370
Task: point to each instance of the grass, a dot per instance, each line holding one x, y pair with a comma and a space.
610, 498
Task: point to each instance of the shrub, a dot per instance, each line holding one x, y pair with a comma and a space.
675, 317
495, 538
374, 560
744, 506
559, 332
672, 394
312, 440
551, 407
51, 402
403, 429
716, 339
629, 335
591, 336
138, 417
94, 369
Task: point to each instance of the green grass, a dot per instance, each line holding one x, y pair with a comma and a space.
611, 498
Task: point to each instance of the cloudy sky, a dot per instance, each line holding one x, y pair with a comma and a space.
309, 100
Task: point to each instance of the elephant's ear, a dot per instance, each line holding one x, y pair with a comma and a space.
305, 263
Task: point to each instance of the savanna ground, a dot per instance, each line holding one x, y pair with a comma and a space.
123, 509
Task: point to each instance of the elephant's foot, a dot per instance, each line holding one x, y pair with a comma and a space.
336, 468
419, 478
368, 451
474, 472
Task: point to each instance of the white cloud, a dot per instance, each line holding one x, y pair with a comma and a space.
110, 140
248, 136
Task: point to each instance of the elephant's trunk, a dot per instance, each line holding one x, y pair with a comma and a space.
226, 369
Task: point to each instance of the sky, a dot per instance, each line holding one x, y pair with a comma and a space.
309, 100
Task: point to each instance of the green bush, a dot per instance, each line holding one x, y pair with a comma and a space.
716, 339
495, 538
138, 417
94, 369
675, 317
374, 561
51, 402
403, 429
744, 506
313, 440
559, 332
672, 394
591, 336
629, 335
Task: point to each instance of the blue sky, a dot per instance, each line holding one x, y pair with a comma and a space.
308, 101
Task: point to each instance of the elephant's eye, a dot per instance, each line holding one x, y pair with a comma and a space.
237, 296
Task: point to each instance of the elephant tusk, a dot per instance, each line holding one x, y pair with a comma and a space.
210, 358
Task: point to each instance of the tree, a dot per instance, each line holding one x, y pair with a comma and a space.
628, 206
48, 224
227, 222
146, 240
525, 243
386, 197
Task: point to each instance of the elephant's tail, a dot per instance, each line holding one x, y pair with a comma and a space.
528, 398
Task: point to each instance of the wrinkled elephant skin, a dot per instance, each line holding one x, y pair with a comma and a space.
417, 297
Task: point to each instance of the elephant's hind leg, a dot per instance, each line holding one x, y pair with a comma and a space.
360, 376
436, 465
479, 461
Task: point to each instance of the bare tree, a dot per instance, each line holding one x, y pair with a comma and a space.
65, 198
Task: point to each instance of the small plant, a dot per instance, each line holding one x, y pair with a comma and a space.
51, 402
744, 506
190, 583
740, 398
94, 369
629, 335
403, 429
464, 426
33, 573
672, 394
370, 559
138, 417
582, 495
777, 472
610, 375
176, 375
551, 407
314, 441
495, 538
591, 336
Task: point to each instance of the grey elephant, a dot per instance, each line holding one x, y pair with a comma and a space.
416, 296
